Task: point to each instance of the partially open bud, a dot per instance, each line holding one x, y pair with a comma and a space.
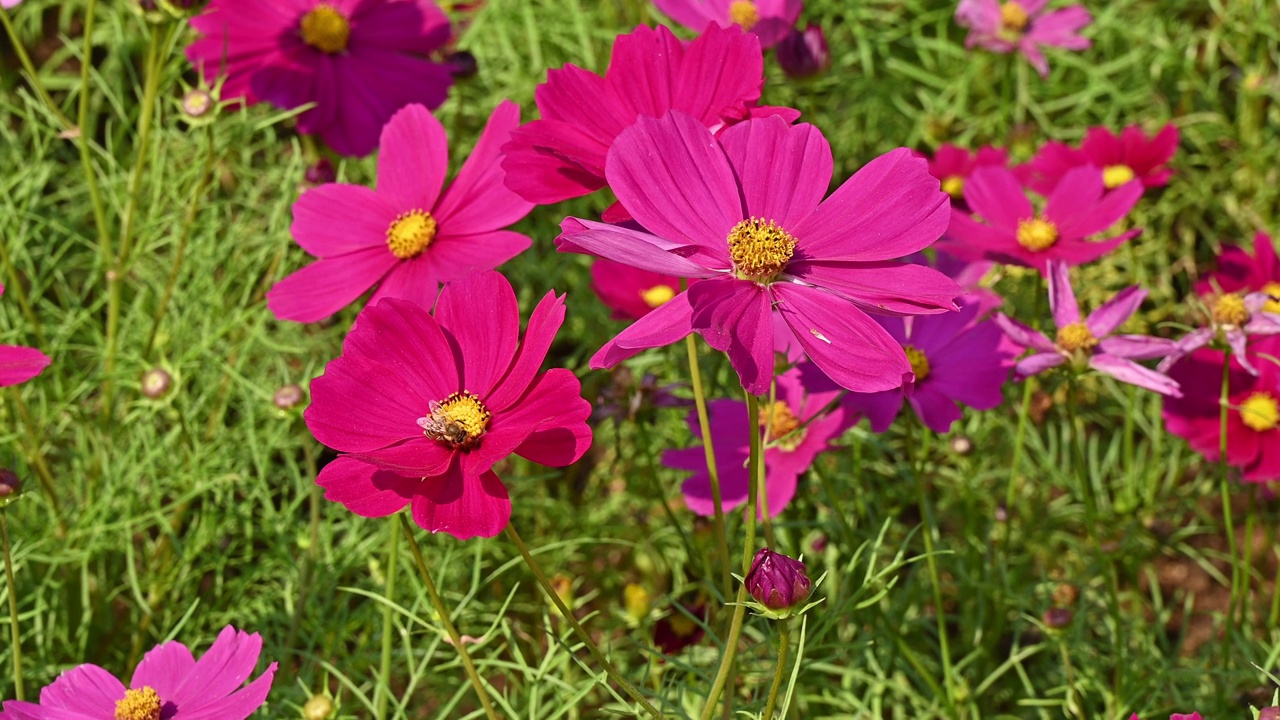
317, 708
156, 382
804, 53
289, 396
777, 581
10, 485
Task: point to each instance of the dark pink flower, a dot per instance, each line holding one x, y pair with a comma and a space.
19, 364
1090, 341
1013, 231
968, 275
1234, 319
359, 61
746, 213
793, 445
1253, 416
408, 235
768, 20
422, 406
1238, 271
953, 165
1023, 25
631, 293
169, 683
1120, 158
716, 79
956, 361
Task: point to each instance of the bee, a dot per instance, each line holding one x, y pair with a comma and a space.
440, 426
454, 434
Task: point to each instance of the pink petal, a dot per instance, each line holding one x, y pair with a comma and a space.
883, 287
693, 14
236, 706
548, 161
326, 286
338, 219
86, 689
1024, 335
636, 248
1062, 299
733, 316
1113, 313
479, 201
538, 335
937, 411
668, 323
880, 408
555, 407
416, 457
413, 157
1127, 371
995, 194
418, 26
19, 364
463, 506
164, 668
481, 315
1137, 347
783, 169
221, 670
1076, 220
642, 70
1036, 364
720, 75
456, 256
412, 280
364, 489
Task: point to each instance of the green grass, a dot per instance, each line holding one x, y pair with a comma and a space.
193, 511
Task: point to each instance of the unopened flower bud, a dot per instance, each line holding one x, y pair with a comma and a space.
197, 103
1269, 713
156, 382
961, 445
777, 581
10, 484
317, 708
462, 64
1057, 618
320, 172
289, 396
804, 53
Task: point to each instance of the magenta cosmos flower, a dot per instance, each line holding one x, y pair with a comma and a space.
1234, 319
1253, 415
769, 20
406, 236
952, 165
19, 364
1120, 158
1091, 342
956, 361
1174, 716
169, 683
797, 433
359, 61
746, 213
423, 405
716, 79
1013, 231
1240, 272
1023, 25
631, 293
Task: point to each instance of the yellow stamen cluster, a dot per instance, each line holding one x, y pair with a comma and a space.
1260, 412
1013, 17
919, 363
744, 14
411, 233
953, 185
760, 249
783, 425
143, 704
1113, 176
1037, 234
1229, 309
1076, 336
1272, 305
460, 420
325, 29
657, 296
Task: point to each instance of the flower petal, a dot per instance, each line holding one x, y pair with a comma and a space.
19, 364
883, 287
668, 323
337, 219
635, 248
164, 668
221, 670
413, 157
1137, 347
1113, 313
364, 489
86, 689
1062, 299
734, 316
328, 285
1024, 335
1038, 363
478, 200
463, 506
1127, 371
994, 194
538, 336
482, 318
784, 169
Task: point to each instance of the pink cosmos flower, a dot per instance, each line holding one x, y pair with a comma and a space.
1233, 319
1091, 342
716, 79
1238, 271
952, 165
19, 364
1023, 25
793, 445
1174, 716
406, 236
1014, 232
422, 406
769, 20
956, 361
1253, 416
631, 293
9, 3
169, 683
746, 213
359, 61
1120, 158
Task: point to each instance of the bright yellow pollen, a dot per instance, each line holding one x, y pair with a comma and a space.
141, 704
1229, 309
1113, 176
760, 249
1076, 336
460, 420
325, 29
784, 426
953, 185
657, 295
1260, 412
919, 363
744, 14
411, 233
1037, 234
1273, 305
1013, 17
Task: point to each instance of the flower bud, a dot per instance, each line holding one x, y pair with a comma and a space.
961, 445
462, 64
289, 396
1057, 618
156, 382
1269, 713
804, 53
10, 484
317, 708
777, 581
197, 103
320, 172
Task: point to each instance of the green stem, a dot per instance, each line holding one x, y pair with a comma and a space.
582, 634
784, 643
32, 75
382, 693
1225, 489
15, 634
917, 456
1028, 390
713, 473
37, 459
766, 519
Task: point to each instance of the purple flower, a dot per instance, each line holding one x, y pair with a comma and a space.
776, 581
1233, 319
1023, 25
19, 364
1091, 342
769, 20
804, 53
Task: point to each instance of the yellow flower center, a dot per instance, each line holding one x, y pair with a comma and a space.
638, 601
919, 363
1076, 336
744, 14
325, 29
682, 625
784, 426
657, 295
1273, 305
459, 421
1037, 234
1113, 176
1260, 412
953, 185
141, 704
1229, 309
411, 233
760, 249
1013, 17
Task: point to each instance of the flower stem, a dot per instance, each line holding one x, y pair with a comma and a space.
916, 455
766, 518
582, 634
1028, 390
713, 473
15, 635
37, 459
784, 643
1225, 489
30, 68
382, 693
